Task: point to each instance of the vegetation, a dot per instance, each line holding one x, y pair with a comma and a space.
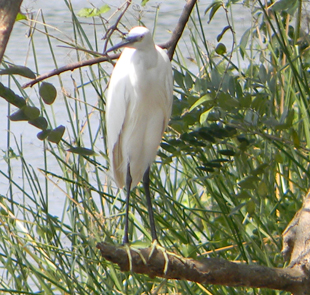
230, 175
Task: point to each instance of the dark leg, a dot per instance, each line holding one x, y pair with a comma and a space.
146, 185
128, 185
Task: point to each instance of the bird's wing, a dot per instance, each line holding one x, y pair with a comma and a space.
116, 105
167, 95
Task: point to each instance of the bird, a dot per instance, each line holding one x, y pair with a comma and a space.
138, 108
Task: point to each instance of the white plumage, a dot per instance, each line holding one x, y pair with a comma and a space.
138, 106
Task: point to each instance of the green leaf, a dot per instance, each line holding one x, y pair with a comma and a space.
43, 134
244, 42
92, 12
227, 102
204, 134
296, 139
31, 112
56, 134
220, 36
204, 115
18, 70
169, 148
11, 97
143, 2
250, 207
82, 151
188, 81
25, 114
249, 182
227, 152
48, 92
243, 195
18, 116
220, 49
201, 100
213, 9
262, 189
285, 5
20, 16
39, 122
178, 78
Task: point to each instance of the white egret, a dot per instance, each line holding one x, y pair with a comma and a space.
138, 108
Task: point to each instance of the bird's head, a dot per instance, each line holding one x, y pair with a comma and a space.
138, 37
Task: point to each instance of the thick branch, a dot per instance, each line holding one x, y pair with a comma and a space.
207, 270
8, 12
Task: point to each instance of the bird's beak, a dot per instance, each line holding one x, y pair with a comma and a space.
127, 40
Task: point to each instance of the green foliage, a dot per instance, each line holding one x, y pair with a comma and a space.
92, 12
230, 174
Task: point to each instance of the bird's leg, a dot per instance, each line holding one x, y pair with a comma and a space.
155, 243
146, 185
126, 239
128, 185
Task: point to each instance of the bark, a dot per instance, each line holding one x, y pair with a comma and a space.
206, 270
8, 13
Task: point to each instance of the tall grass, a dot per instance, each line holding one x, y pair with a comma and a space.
230, 174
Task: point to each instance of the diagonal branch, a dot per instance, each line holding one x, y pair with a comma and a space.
207, 270
8, 12
170, 45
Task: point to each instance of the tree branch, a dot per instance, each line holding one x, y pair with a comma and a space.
170, 45
8, 13
206, 270
178, 31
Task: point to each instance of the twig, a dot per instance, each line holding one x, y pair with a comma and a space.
170, 45
113, 28
71, 67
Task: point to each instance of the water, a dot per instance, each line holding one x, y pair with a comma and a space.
57, 16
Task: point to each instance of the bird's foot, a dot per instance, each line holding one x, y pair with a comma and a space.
156, 246
128, 249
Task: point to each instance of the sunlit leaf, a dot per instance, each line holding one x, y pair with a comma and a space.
92, 12
204, 116
20, 16
201, 100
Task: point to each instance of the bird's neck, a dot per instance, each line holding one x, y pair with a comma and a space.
146, 58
